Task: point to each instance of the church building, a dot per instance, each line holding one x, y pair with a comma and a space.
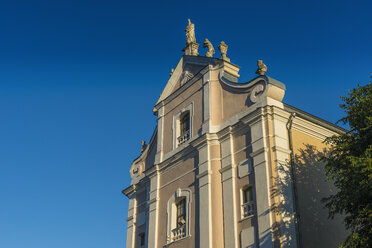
229, 163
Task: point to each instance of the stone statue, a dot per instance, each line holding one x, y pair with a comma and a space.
210, 51
190, 33
191, 47
143, 143
262, 68
223, 50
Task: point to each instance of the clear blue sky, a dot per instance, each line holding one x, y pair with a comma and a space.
78, 81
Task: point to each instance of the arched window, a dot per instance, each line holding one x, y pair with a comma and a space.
178, 210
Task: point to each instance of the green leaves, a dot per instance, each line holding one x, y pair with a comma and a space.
349, 165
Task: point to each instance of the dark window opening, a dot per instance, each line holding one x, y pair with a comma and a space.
142, 238
247, 195
184, 128
181, 212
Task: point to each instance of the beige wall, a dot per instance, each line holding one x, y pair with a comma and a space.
226, 101
169, 182
242, 149
317, 231
216, 197
192, 94
150, 158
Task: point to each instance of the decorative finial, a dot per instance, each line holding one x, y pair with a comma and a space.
210, 51
143, 143
223, 50
170, 74
262, 68
191, 47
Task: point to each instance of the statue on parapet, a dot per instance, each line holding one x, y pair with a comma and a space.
191, 47
210, 51
262, 68
223, 50
143, 143
190, 33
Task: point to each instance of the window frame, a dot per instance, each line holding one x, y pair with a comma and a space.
181, 211
247, 198
142, 239
177, 122
181, 195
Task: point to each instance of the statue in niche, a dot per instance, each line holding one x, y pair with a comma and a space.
223, 50
143, 143
262, 68
210, 51
190, 33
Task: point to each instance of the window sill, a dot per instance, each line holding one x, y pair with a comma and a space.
178, 240
246, 218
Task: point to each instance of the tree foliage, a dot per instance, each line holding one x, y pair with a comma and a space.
349, 166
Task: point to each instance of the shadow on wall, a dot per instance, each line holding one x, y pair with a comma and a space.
316, 230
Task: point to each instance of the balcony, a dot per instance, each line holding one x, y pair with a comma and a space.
247, 209
178, 233
184, 137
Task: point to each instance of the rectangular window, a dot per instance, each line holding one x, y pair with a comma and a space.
142, 238
181, 212
247, 195
185, 123
247, 202
184, 128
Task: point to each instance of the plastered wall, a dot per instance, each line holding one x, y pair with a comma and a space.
194, 95
317, 231
170, 180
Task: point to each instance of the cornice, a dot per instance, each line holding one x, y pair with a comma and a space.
129, 191
314, 119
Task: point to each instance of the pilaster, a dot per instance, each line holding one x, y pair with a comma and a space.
131, 221
160, 153
206, 100
279, 147
228, 171
153, 209
205, 204
262, 180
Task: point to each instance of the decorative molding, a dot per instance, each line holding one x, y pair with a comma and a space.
171, 212
281, 149
259, 151
204, 173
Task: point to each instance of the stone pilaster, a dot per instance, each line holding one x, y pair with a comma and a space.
131, 220
160, 153
260, 157
205, 204
206, 103
281, 155
228, 172
153, 209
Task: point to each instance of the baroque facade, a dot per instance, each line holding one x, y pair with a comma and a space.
229, 164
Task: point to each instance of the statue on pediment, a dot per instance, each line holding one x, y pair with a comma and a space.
210, 47
190, 33
262, 68
191, 47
